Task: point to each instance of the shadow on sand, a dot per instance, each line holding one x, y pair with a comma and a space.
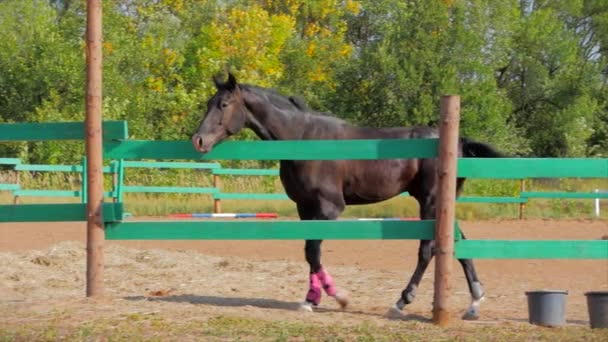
265, 303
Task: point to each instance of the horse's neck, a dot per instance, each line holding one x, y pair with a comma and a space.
271, 123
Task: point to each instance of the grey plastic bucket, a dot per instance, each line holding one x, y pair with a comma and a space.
597, 305
547, 307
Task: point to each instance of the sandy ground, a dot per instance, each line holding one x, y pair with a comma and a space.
42, 270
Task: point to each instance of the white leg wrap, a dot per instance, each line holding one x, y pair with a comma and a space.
342, 298
305, 306
394, 312
472, 312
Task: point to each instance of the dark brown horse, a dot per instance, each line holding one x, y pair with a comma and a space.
321, 189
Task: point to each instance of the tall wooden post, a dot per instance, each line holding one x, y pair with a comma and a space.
93, 136
16, 198
446, 207
522, 206
217, 204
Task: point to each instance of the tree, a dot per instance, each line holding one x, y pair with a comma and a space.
552, 75
410, 53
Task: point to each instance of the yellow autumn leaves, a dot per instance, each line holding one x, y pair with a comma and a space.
253, 39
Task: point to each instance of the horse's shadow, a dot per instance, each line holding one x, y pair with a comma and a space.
222, 301
264, 303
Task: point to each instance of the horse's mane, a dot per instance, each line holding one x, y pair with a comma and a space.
277, 99
294, 105
281, 101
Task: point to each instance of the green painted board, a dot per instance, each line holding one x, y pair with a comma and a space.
518, 168
250, 196
547, 194
171, 165
275, 150
490, 199
43, 167
56, 212
9, 187
52, 193
10, 161
532, 249
246, 172
41, 131
270, 230
55, 168
169, 189
46, 193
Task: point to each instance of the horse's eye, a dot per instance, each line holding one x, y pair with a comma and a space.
224, 105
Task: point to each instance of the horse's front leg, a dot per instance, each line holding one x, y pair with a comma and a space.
319, 278
425, 254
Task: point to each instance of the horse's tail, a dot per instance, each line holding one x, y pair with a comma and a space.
475, 149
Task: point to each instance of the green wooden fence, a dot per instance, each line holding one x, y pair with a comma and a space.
12, 162
216, 192
281, 196
263, 150
118, 148
112, 131
80, 169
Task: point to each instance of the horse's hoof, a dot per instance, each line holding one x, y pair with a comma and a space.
472, 312
305, 307
470, 316
394, 312
342, 299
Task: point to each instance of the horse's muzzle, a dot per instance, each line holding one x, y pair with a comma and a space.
197, 142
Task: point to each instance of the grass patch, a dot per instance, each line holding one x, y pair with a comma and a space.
154, 327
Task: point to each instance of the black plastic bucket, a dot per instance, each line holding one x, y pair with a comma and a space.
597, 305
547, 307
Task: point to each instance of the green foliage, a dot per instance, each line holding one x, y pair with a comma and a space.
532, 75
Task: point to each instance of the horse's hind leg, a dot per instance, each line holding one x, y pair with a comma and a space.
426, 250
319, 277
475, 288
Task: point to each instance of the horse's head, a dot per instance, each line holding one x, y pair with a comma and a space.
226, 115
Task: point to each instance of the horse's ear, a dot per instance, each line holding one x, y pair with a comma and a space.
231, 85
218, 82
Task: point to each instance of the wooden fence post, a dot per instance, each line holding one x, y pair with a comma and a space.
522, 206
93, 139
217, 204
16, 198
446, 207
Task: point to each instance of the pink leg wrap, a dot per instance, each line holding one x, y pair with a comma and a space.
314, 292
328, 283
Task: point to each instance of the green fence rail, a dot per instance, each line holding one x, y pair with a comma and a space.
10, 161
275, 150
44, 131
56, 212
532, 249
519, 168
271, 230
122, 164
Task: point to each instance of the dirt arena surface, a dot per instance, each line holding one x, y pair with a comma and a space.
42, 270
